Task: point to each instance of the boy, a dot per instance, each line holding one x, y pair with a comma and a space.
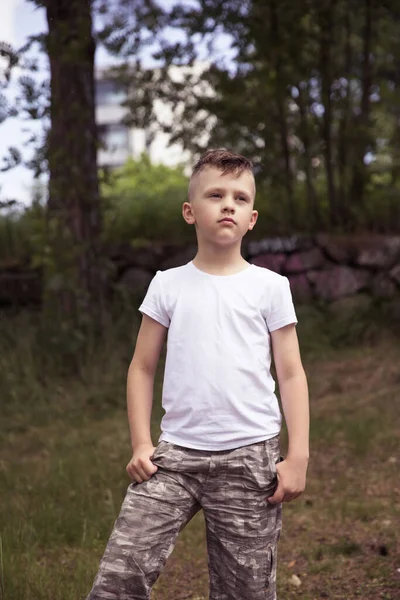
219, 447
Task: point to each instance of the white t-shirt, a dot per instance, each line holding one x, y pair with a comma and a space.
218, 392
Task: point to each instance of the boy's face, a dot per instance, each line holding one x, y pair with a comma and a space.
215, 197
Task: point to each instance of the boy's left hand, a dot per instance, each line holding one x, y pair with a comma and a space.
291, 480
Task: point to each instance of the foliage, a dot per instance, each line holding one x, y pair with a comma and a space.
310, 93
30, 102
142, 201
309, 90
22, 234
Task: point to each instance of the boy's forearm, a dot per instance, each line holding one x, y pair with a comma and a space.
140, 385
294, 398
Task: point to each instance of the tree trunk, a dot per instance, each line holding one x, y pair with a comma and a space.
74, 203
281, 99
359, 169
395, 177
344, 140
326, 42
395, 170
313, 208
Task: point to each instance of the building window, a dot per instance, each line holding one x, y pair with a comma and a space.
109, 93
114, 137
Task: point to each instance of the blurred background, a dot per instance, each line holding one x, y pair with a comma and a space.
104, 108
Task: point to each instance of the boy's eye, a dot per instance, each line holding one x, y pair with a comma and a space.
243, 198
215, 195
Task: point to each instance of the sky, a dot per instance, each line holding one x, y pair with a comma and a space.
18, 19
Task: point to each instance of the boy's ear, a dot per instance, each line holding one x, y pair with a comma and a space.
253, 220
187, 213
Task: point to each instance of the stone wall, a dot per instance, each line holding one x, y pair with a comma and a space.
323, 267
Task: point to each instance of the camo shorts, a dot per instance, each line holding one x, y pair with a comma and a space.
242, 528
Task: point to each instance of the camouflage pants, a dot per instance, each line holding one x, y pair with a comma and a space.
231, 487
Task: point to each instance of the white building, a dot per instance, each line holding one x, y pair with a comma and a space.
120, 141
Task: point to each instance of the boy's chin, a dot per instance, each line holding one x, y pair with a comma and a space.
220, 242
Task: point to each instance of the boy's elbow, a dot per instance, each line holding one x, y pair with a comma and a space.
292, 373
144, 367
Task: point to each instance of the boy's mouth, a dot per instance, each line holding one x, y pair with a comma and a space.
226, 220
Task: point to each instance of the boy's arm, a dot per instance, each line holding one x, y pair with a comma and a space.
140, 384
294, 397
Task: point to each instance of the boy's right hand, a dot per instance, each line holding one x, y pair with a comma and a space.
140, 468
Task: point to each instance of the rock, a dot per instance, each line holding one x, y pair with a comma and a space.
337, 248
369, 251
337, 282
387, 523
304, 242
381, 252
395, 273
274, 262
276, 245
20, 288
295, 580
383, 287
299, 262
383, 550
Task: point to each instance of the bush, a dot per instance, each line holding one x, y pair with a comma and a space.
143, 201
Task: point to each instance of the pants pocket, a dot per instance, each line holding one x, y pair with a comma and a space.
256, 570
168, 456
259, 466
271, 566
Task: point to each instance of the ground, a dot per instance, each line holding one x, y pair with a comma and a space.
62, 478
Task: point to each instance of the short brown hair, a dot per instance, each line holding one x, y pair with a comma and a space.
225, 160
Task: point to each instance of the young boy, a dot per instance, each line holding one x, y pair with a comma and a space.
219, 447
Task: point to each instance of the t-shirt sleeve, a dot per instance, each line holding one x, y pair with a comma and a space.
281, 310
153, 303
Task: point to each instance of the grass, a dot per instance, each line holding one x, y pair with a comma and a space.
64, 445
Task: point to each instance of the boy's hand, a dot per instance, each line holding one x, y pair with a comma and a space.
291, 480
140, 468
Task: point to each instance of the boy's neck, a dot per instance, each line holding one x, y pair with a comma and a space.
219, 261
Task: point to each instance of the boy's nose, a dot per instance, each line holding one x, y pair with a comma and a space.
228, 205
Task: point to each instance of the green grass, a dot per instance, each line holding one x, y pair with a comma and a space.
64, 444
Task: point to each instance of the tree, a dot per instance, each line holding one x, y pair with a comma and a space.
142, 202
310, 93
73, 277
74, 202
300, 96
